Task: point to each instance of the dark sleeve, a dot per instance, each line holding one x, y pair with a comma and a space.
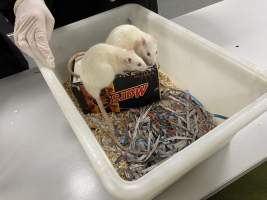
11, 59
153, 5
6, 8
149, 4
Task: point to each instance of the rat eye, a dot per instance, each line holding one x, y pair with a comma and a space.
139, 65
156, 52
129, 60
148, 54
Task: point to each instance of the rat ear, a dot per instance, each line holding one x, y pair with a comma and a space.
143, 41
129, 60
131, 50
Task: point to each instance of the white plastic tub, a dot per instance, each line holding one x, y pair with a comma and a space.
224, 84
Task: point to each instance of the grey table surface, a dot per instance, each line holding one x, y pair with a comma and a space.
40, 157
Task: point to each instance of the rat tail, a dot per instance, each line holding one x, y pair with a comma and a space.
77, 56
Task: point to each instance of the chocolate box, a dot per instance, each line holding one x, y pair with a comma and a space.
128, 90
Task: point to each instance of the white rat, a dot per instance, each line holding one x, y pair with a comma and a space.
99, 66
102, 62
130, 37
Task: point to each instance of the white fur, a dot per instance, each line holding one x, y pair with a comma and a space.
99, 66
130, 37
102, 62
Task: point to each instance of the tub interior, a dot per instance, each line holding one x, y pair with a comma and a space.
220, 83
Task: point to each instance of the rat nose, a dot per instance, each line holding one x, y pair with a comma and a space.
150, 63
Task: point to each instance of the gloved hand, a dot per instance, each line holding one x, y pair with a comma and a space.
34, 25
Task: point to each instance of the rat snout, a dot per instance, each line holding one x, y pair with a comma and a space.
143, 68
150, 63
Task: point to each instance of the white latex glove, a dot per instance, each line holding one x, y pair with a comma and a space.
34, 25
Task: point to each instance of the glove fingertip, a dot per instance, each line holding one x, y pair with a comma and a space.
51, 63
